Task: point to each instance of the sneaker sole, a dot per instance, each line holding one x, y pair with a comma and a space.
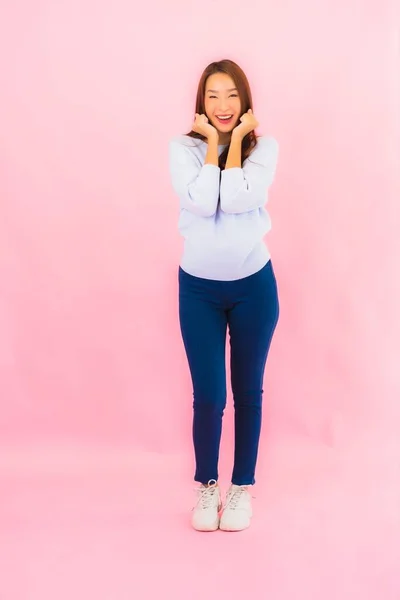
213, 527
231, 530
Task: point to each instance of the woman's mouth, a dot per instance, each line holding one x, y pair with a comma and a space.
224, 120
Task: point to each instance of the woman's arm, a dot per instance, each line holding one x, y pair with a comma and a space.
245, 188
197, 186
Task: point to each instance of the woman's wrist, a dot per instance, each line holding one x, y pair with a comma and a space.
236, 137
213, 138
212, 150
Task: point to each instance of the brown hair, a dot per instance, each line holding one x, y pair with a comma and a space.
242, 84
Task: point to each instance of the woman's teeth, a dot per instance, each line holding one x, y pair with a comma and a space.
227, 119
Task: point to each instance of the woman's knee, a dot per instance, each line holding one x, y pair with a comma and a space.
248, 398
209, 401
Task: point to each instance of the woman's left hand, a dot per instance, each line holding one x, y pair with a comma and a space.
248, 123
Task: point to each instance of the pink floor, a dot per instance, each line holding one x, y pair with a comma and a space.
111, 524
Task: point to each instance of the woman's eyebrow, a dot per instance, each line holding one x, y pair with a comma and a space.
216, 91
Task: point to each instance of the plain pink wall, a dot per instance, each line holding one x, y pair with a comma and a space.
90, 347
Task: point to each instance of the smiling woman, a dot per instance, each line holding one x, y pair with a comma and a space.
223, 98
226, 280
222, 103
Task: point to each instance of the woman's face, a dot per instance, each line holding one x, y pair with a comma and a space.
222, 100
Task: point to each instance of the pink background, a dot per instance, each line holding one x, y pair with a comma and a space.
95, 396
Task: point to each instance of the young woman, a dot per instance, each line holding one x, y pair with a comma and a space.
221, 172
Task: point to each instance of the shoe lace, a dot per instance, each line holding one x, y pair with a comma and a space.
235, 496
206, 495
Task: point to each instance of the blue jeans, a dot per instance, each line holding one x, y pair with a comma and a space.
249, 308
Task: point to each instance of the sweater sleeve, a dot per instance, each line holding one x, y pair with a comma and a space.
196, 185
245, 189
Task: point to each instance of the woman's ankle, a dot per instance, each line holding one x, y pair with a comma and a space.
210, 483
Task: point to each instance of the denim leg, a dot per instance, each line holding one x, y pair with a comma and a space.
252, 322
203, 322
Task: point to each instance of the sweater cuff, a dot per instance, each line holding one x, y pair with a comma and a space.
211, 168
210, 175
232, 180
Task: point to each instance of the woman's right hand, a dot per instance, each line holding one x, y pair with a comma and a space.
202, 126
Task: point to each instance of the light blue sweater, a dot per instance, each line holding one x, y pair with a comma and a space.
223, 218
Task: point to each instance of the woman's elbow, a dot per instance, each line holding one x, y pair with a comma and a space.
230, 204
207, 211
202, 209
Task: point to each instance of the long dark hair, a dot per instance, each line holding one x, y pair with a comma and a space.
241, 82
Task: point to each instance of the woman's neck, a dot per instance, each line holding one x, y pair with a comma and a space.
224, 139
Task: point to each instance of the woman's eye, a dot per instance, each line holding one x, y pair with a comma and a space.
231, 96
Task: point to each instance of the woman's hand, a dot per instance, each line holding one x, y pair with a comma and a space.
248, 123
202, 126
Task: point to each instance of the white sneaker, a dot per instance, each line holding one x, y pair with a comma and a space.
237, 510
206, 512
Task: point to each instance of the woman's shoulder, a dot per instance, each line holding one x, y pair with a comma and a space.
266, 142
184, 149
186, 140
266, 147
265, 151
